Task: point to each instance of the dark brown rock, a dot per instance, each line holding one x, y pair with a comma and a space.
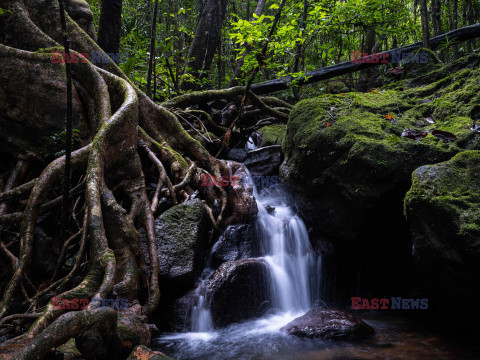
329, 324
237, 290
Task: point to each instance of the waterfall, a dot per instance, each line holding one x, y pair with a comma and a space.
285, 246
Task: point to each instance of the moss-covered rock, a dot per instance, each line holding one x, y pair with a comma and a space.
182, 233
348, 149
443, 208
273, 134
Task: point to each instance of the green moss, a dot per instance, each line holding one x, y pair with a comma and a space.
451, 191
351, 142
273, 134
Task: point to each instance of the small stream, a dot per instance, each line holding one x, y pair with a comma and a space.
294, 283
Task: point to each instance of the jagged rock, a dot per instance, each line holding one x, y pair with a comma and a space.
237, 291
329, 324
443, 209
264, 161
237, 242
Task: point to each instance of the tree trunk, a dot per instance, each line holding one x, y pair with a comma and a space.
425, 24
151, 61
206, 41
110, 25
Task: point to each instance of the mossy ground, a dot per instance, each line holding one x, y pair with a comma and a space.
354, 140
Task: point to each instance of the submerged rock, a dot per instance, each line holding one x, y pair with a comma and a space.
443, 209
264, 161
237, 242
237, 291
329, 324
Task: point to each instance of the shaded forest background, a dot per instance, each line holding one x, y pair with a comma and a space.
309, 35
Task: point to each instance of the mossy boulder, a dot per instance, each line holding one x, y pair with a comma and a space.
348, 149
443, 209
182, 233
273, 134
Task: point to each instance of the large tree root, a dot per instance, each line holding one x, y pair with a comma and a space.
117, 119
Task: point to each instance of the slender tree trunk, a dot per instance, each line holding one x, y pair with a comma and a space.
109, 27
206, 40
299, 48
455, 26
152, 50
425, 24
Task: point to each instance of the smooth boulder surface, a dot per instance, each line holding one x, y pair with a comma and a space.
237, 242
443, 209
182, 233
329, 324
238, 155
237, 291
264, 161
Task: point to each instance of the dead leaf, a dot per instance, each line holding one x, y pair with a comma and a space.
430, 119
444, 135
414, 134
328, 124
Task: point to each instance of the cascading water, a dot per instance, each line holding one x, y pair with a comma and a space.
285, 246
294, 287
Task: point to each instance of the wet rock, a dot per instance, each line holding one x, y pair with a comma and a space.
238, 155
237, 242
264, 161
237, 291
442, 208
329, 324
144, 353
182, 233
176, 314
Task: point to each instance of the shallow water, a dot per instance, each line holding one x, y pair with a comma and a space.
395, 339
